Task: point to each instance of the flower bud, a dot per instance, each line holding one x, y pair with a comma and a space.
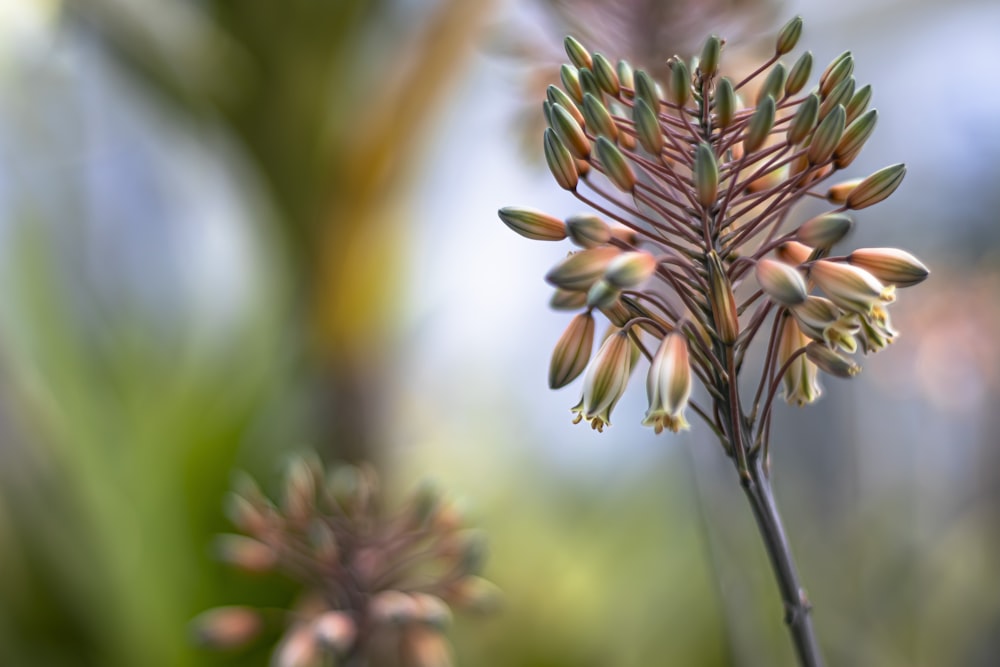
578, 55
804, 120
588, 230
556, 95
849, 287
827, 136
245, 553
668, 385
226, 627
564, 299
709, 63
533, 224
630, 269
890, 265
830, 361
859, 102
825, 230
799, 74
678, 82
626, 76
588, 84
793, 252
788, 36
840, 95
336, 631
725, 102
570, 78
475, 594
602, 294
722, 301
854, 138
760, 125
432, 611
300, 490
560, 161
646, 90
572, 352
569, 131
774, 84
392, 607
799, 381
647, 127
706, 174
837, 194
876, 187
599, 120
581, 269
781, 282
616, 167
606, 76
838, 70
605, 381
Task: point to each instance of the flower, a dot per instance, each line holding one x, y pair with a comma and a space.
799, 381
668, 385
605, 381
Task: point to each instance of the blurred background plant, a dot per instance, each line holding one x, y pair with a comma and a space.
235, 227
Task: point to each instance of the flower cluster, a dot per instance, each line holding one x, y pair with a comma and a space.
690, 250
377, 590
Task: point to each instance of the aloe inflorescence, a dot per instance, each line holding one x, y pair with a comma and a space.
693, 245
695, 255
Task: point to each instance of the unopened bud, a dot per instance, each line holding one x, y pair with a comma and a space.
876, 187
710, 52
572, 351
678, 82
830, 361
616, 167
838, 70
626, 76
841, 95
630, 269
799, 74
570, 78
533, 224
226, 627
854, 138
774, 83
706, 174
722, 301
606, 76
825, 230
788, 36
647, 127
336, 631
827, 136
587, 230
578, 55
588, 84
760, 125
850, 287
859, 102
564, 299
476, 594
890, 265
781, 282
793, 252
645, 90
598, 118
300, 490
602, 294
560, 161
725, 102
837, 194
245, 553
804, 120
572, 135
556, 95
392, 607
581, 269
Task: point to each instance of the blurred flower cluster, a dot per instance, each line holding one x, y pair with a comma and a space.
700, 254
377, 589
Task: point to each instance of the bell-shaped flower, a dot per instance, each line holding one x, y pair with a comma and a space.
605, 381
668, 385
876, 330
799, 381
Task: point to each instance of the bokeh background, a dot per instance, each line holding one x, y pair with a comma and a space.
231, 231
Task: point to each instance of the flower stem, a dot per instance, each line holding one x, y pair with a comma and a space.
797, 608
